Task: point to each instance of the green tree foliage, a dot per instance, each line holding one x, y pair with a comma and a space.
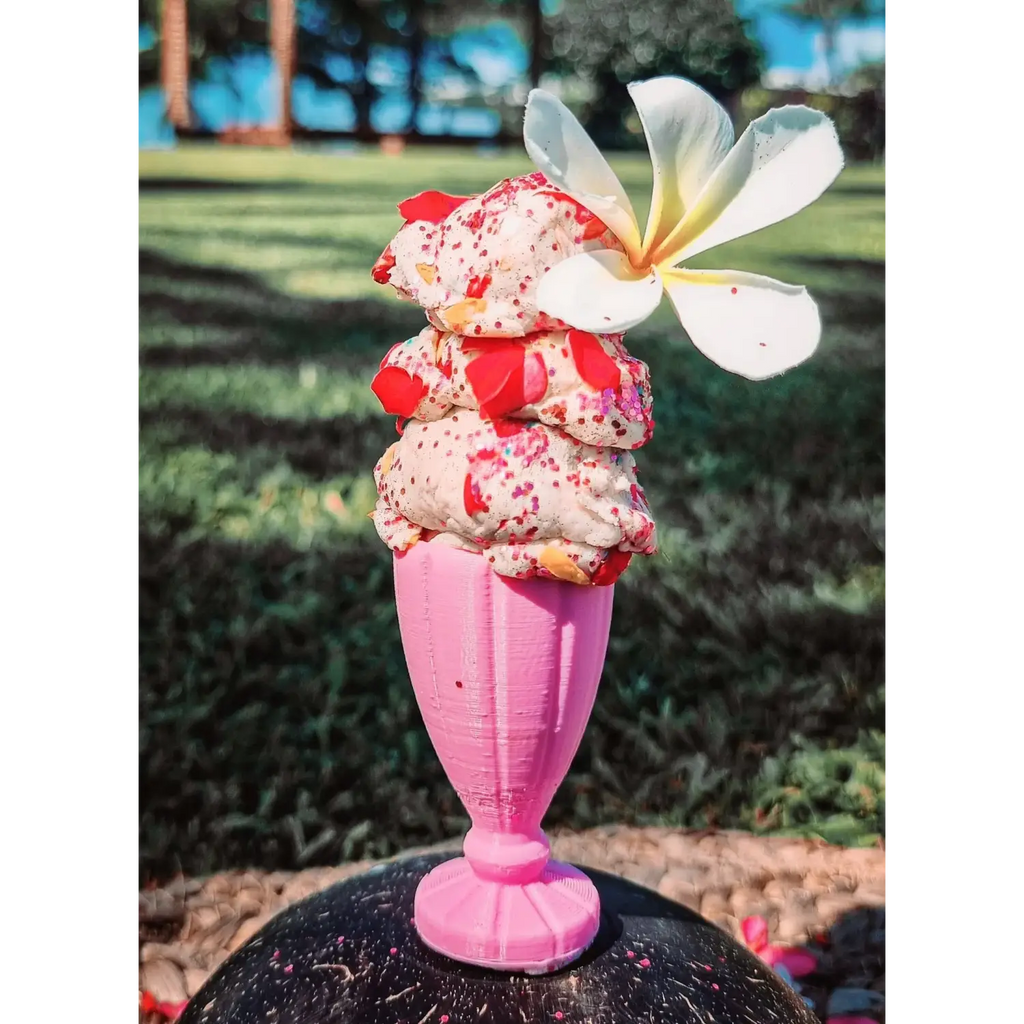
612, 43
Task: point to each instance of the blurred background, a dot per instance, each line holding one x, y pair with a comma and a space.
744, 682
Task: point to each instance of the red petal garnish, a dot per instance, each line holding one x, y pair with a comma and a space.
755, 932
430, 206
507, 427
497, 379
382, 268
799, 962
611, 568
148, 1003
398, 390
595, 366
595, 229
535, 378
473, 344
471, 497
477, 286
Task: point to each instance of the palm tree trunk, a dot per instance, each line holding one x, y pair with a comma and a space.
416, 41
828, 32
174, 62
282, 46
536, 43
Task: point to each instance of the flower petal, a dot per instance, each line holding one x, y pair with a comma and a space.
798, 962
781, 163
688, 134
599, 291
430, 206
593, 364
747, 324
497, 378
398, 391
560, 147
755, 932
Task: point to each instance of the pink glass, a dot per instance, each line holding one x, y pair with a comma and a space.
505, 673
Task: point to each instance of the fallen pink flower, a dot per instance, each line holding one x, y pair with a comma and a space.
798, 962
148, 1003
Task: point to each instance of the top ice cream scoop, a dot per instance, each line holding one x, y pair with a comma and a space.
473, 263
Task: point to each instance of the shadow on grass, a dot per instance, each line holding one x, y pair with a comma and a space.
387, 191
278, 727
818, 429
273, 329
849, 272
318, 448
174, 184
277, 724
859, 189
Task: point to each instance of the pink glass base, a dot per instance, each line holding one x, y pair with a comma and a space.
533, 928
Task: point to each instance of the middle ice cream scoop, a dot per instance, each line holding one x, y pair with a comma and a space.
473, 263
585, 384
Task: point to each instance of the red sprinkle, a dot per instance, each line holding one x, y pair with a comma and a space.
477, 286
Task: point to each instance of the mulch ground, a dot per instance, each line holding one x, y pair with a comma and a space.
827, 898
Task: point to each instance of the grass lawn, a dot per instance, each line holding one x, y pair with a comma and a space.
744, 682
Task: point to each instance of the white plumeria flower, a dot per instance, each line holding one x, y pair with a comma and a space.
706, 191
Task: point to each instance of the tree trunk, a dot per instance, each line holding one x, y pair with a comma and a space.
416, 41
828, 34
536, 43
282, 46
174, 62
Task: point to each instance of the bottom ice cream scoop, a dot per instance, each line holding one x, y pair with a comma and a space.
531, 499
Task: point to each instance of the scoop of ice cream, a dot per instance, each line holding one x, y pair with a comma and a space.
586, 384
473, 263
533, 500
